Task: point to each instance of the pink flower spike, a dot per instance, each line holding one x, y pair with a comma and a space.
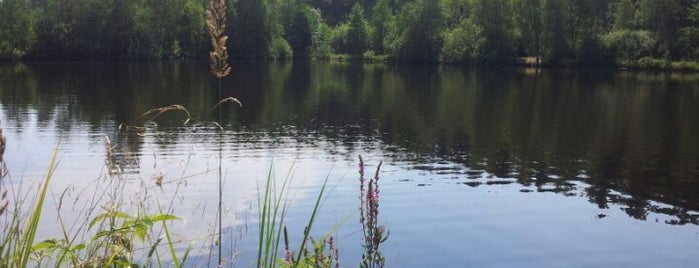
287, 255
374, 195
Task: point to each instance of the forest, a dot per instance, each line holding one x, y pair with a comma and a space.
483, 32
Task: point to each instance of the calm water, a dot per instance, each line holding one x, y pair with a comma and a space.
482, 168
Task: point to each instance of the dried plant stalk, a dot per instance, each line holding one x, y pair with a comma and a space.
216, 23
159, 111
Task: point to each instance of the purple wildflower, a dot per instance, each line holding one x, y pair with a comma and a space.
287, 255
374, 195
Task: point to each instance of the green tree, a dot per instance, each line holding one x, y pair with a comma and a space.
71, 28
624, 15
463, 43
554, 46
416, 32
661, 18
322, 38
495, 17
455, 11
688, 41
251, 29
585, 20
120, 32
299, 33
380, 18
357, 31
629, 44
529, 16
191, 32
17, 34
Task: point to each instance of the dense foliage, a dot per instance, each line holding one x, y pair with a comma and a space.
473, 31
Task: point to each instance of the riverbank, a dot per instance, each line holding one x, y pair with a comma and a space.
646, 63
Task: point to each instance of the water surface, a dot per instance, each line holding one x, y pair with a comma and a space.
482, 167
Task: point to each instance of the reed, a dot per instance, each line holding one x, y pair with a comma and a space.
272, 209
216, 25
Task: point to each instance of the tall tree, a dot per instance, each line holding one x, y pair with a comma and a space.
119, 31
299, 33
357, 32
495, 17
688, 40
624, 15
529, 14
418, 29
585, 20
17, 34
380, 17
71, 28
191, 30
554, 47
251, 30
662, 18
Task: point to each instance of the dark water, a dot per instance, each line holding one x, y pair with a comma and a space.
493, 167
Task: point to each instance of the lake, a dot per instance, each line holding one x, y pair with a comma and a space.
481, 167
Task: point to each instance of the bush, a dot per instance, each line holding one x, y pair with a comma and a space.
593, 52
339, 38
688, 42
691, 66
652, 63
280, 49
463, 43
628, 44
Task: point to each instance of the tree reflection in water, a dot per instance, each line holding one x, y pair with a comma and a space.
614, 137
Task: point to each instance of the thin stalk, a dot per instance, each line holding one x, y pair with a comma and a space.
309, 227
220, 181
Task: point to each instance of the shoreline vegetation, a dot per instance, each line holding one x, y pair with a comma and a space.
119, 224
631, 34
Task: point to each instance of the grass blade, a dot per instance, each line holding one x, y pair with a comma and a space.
25, 248
312, 219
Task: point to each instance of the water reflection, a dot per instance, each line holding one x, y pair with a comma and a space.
624, 138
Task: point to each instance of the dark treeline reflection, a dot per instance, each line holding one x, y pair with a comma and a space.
628, 137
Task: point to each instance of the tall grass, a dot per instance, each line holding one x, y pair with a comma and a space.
109, 239
272, 212
216, 25
272, 208
18, 241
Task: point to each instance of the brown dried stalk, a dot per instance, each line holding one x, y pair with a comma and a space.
216, 23
156, 112
3, 172
229, 99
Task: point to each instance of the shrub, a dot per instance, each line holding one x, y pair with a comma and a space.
628, 44
652, 63
688, 42
280, 49
463, 43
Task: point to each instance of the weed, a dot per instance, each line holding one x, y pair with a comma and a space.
374, 233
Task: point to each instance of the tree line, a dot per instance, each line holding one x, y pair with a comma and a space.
464, 31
